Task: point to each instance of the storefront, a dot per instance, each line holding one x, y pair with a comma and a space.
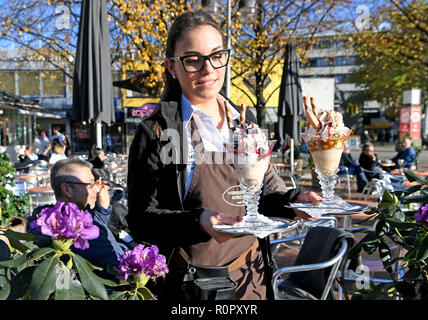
18, 122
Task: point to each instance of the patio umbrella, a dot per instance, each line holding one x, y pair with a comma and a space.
290, 104
93, 83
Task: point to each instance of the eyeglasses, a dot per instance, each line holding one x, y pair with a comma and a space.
91, 184
196, 62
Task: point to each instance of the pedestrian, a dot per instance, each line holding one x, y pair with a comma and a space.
175, 204
67, 141
109, 144
42, 145
57, 135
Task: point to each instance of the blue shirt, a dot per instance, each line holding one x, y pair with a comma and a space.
408, 155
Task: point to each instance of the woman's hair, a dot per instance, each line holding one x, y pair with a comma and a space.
182, 24
57, 146
95, 151
30, 148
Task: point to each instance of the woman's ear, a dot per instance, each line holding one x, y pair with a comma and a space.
170, 66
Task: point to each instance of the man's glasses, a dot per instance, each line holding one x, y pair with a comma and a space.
196, 62
91, 184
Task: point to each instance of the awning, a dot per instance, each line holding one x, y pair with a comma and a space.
39, 114
379, 125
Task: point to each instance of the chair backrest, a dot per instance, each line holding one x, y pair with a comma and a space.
321, 244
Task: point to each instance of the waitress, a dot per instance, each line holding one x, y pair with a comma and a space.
174, 200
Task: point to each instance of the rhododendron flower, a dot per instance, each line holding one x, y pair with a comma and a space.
67, 221
422, 215
142, 260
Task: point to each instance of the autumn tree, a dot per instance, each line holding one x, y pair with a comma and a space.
393, 52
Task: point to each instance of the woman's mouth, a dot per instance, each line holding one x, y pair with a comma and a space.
206, 83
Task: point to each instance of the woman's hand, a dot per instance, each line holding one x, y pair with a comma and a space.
210, 218
309, 196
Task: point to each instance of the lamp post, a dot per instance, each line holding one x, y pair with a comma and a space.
245, 6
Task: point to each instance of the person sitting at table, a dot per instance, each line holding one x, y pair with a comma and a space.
58, 152
407, 154
98, 157
347, 165
42, 145
72, 181
26, 160
369, 161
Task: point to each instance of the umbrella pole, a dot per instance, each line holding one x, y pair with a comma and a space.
292, 155
98, 134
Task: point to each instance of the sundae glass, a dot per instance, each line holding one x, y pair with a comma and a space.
325, 137
251, 156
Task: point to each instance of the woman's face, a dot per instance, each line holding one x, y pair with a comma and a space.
203, 85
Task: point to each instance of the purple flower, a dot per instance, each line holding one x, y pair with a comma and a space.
67, 221
142, 260
422, 216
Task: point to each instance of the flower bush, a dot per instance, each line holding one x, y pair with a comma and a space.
397, 222
58, 273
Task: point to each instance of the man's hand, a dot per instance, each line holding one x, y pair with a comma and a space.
103, 196
210, 218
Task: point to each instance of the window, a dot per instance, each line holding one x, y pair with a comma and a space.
53, 83
7, 81
29, 83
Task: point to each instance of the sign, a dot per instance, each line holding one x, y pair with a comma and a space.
410, 121
141, 112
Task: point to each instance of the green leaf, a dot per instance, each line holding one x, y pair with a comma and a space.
415, 199
16, 244
89, 280
423, 250
133, 297
16, 262
385, 256
4, 251
67, 288
40, 253
4, 285
411, 176
20, 284
44, 279
117, 295
399, 215
145, 293
20, 235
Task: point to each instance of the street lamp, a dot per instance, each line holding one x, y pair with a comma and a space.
245, 6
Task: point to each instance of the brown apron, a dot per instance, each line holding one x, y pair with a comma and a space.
215, 186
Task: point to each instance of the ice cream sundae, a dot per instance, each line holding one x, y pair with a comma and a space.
325, 136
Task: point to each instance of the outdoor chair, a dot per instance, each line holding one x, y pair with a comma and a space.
323, 253
346, 176
281, 171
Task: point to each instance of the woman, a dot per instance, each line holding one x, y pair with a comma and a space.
369, 161
29, 158
58, 152
99, 170
175, 202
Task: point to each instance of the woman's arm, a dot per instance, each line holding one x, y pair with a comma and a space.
146, 219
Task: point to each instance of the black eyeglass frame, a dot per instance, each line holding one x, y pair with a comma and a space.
91, 185
207, 57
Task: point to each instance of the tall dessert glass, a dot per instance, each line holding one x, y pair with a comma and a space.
326, 155
251, 173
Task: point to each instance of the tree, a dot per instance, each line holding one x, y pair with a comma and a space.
393, 52
47, 30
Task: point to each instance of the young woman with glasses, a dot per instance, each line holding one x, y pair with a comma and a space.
174, 199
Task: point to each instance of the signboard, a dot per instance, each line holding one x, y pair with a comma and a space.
140, 112
410, 121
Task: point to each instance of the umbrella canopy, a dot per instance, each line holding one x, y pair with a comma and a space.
290, 106
93, 83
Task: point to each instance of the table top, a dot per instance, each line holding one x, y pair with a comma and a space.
27, 176
41, 189
388, 164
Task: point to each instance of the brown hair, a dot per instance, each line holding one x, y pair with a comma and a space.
182, 24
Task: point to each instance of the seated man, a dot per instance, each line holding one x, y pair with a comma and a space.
352, 167
72, 181
408, 154
369, 161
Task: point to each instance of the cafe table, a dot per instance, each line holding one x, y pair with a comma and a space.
347, 216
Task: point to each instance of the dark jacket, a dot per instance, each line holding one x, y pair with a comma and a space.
346, 160
408, 155
369, 164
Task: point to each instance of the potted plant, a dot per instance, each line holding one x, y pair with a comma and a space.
399, 222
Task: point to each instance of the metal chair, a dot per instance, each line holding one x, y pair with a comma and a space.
323, 252
281, 171
347, 176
